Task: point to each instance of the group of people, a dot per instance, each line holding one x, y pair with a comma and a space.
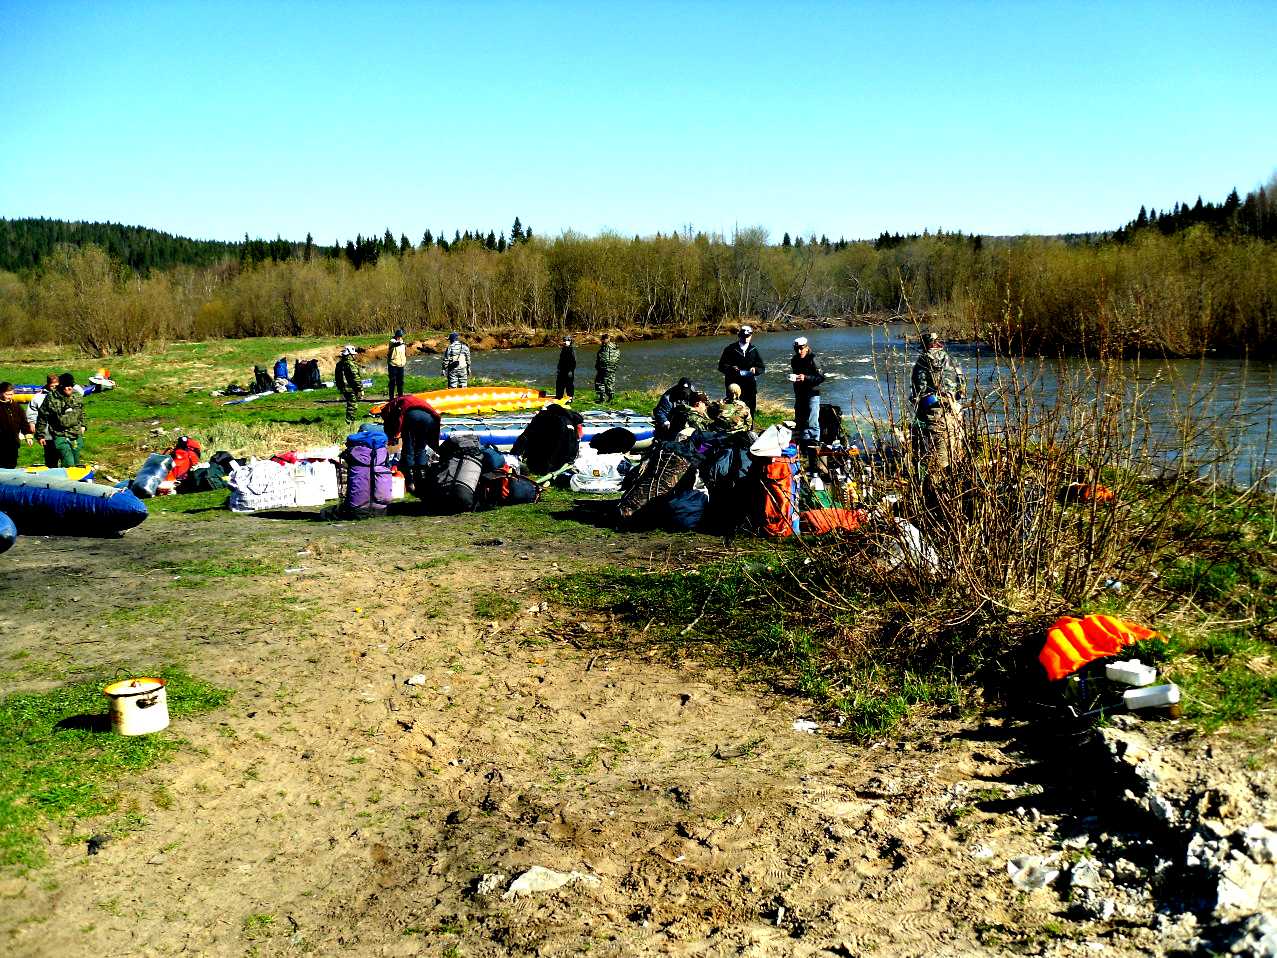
606, 362
54, 418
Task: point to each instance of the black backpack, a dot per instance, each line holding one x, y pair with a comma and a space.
551, 440
263, 381
306, 374
614, 440
831, 425
455, 476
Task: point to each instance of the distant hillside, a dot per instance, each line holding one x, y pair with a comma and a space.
25, 242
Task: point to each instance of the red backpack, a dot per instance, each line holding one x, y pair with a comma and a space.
185, 455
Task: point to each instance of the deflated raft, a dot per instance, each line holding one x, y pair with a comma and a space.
480, 399
42, 506
502, 430
8, 532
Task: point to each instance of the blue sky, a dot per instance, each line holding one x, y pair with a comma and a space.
216, 119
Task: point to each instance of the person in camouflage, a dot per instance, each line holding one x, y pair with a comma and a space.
606, 361
731, 415
61, 420
456, 362
937, 389
350, 383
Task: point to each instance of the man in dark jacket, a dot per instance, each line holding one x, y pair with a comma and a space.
13, 427
565, 380
806, 377
741, 365
680, 393
61, 418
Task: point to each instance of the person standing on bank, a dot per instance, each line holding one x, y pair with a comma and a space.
565, 378
13, 427
937, 387
33, 411
606, 362
741, 365
350, 382
806, 377
396, 360
456, 362
61, 418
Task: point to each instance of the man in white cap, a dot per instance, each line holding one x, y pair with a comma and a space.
565, 378
350, 381
741, 365
806, 377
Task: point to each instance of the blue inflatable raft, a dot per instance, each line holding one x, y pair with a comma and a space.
41, 506
502, 429
8, 532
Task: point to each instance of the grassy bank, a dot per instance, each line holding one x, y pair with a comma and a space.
62, 763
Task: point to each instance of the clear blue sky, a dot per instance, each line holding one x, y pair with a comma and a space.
213, 119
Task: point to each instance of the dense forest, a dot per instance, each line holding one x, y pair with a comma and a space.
1208, 284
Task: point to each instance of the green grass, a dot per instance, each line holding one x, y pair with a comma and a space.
50, 774
490, 606
1225, 678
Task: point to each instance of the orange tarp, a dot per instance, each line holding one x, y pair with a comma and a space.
1072, 643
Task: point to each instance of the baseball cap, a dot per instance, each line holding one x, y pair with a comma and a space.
800, 341
747, 330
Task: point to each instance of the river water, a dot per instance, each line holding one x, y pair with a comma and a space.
867, 366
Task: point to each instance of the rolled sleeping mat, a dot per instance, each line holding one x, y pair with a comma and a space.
8, 533
154, 471
40, 506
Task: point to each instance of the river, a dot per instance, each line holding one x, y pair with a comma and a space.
866, 365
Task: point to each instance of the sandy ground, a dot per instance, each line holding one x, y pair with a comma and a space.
334, 809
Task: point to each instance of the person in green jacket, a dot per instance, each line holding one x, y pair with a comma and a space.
606, 361
61, 420
350, 382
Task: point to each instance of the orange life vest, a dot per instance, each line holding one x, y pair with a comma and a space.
1072, 643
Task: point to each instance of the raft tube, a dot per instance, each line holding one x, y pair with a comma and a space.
480, 399
502, 431
8, 532
41, 506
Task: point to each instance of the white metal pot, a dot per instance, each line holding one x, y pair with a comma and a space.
138, 706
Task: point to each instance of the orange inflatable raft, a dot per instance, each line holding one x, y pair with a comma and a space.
480, 399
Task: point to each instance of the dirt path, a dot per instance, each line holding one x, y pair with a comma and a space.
333, 808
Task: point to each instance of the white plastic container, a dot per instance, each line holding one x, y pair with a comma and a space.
138, 706
1130, 672
1155, 696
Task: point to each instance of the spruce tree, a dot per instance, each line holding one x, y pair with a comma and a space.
516, 232
404, 244
427, 239
786, 242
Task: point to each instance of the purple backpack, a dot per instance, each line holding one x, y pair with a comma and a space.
368, 481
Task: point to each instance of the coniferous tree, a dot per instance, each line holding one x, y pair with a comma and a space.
527, 234
427, 239
516, 232
501, 247
310, 247
404, 244
787, 242
491, 241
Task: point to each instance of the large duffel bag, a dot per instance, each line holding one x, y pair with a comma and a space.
505, 487
306, 374
365, 465
455, 477
663, 470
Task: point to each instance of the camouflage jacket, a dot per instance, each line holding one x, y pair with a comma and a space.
733, 416
349, 376
608, 358
60, 415
456, 358
936, 374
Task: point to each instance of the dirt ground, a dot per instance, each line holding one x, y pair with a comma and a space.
332, 808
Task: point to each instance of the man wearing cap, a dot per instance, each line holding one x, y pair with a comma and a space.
456, 362
806, 377
61, 419
350, 381
396, 360
937, 387
606, 361
565, 378
741, 365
